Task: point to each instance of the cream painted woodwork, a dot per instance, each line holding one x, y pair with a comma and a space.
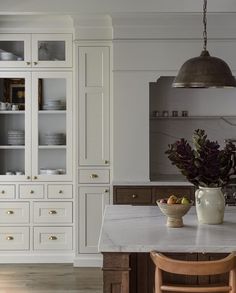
47, 122
14, 212
60, 191
94, 94
94, 176
92, 201
52, 212
7, 191
53, 238
14, 238
36, 50
35, 191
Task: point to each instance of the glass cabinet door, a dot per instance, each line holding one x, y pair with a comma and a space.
52, 126
15, 50
15, 131
52, 50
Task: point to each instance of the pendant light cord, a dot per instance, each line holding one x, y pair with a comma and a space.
205, 25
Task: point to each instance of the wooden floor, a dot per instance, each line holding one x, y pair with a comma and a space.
49, 278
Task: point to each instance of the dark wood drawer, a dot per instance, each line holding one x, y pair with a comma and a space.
134, 195
166, 191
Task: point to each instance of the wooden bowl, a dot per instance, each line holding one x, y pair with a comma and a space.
174, 213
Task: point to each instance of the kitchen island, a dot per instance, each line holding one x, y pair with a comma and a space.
129, 233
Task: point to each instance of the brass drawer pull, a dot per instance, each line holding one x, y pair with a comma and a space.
106, 161
134, 196
94, 176
52, 212
10, 212
35, 63
3, 191
106, 190
31, 191
52, 238
9, 238
60, 191
28, 63
35, 177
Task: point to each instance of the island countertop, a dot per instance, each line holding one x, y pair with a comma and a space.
143, 228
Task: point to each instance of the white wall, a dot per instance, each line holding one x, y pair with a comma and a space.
138, 62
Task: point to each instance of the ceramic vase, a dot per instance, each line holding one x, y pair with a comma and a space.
210, 205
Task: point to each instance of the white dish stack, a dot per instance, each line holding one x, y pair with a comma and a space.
16, 137
54, 105
54, 138
52, 171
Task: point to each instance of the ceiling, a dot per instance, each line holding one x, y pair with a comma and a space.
112, 6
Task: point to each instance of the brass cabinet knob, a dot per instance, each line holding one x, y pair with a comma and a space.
52, 212
60, 191
52, 238
28, 177
106, 190
3, 191
35, 177
94, 176
27, 63
106, 161
35, 63
10, 212
134, 196
31, 191
9, 238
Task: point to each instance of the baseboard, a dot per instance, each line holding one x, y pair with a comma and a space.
88, 260
36, 258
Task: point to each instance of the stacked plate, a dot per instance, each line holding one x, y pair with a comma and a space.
54, 138
52, 171
54, 105
16, 137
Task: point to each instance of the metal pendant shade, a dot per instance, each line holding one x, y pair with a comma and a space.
204, 71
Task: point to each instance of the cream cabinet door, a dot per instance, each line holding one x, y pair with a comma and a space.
94, 75
92, 201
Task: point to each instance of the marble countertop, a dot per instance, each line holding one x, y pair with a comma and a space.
128, 228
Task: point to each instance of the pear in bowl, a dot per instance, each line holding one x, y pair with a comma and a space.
174, 211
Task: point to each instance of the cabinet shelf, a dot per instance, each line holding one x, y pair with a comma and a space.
12, 112
52, 111
54, 147
12, 147
192, 117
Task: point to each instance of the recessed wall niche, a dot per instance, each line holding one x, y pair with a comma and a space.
175, 113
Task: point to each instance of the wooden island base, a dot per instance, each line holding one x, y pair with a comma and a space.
134, 272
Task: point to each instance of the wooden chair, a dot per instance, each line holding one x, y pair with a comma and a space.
194, 268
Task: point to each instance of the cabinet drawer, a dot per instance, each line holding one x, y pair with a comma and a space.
7, 191
14, 238
52, 212
31, 191
133, 195
94, 176
60, 191
14, 212
51, 238
166, 191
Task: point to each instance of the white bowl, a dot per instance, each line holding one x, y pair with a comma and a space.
5, 56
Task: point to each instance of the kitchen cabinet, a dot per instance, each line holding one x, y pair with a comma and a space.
35, 50
92, 201
94, 106
147, 195
36, 139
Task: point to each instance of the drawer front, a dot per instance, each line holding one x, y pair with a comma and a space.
31, 191
52, 212
94, 176
133, 195
7, 191
51, 238
164, 192
14, 212
60, 191
14, 238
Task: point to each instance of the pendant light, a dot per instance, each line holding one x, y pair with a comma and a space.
204, 71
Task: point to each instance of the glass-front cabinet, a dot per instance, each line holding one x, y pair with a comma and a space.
36, 126
35, 50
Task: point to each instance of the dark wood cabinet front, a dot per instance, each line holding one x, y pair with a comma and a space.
147, 195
